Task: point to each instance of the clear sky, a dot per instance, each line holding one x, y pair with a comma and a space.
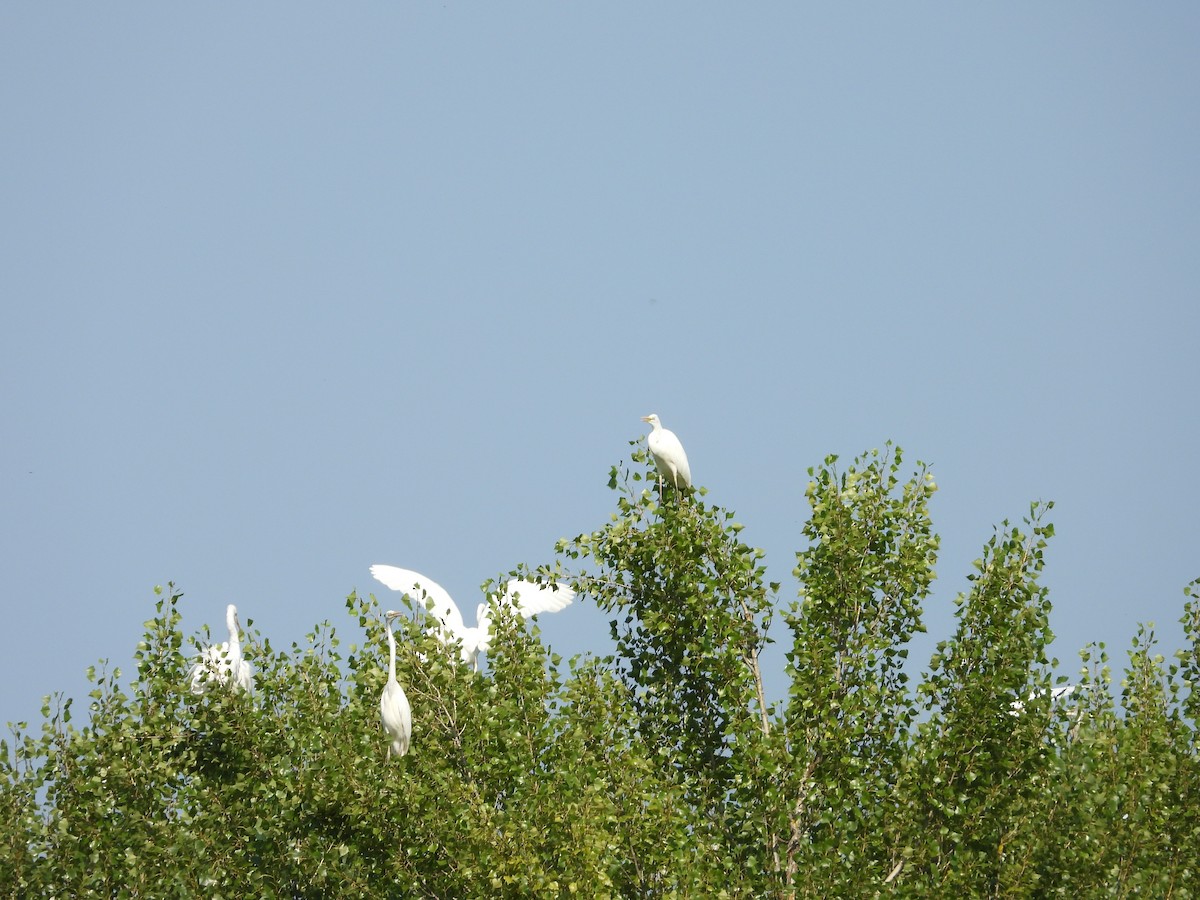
290, 289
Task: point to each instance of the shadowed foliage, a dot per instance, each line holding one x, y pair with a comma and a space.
658, 771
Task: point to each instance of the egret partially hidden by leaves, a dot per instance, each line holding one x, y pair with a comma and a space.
525, 597
393, 704
223, 662
669, 458
1056, 694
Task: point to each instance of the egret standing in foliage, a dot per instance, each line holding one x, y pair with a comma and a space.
223, 662
669, 458
393, 704
525, 597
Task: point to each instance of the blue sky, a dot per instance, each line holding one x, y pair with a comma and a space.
291, 289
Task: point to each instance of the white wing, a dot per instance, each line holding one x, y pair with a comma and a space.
422, 589
526, 597
213, 665
529, 598
206, 668
1056, 694
669, 457
682, 468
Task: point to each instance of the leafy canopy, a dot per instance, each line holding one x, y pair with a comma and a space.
660, 770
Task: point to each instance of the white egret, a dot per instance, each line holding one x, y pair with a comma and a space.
223, 662
1056, 694
525, 597
393, 704
669, 458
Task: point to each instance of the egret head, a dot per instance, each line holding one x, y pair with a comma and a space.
391, 614
652, 418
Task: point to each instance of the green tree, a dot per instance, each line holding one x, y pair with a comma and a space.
980, 762
660, 770
692, 609
867, 569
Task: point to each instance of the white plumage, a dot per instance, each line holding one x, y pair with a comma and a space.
223, 663
667, 451
525, 597
1056, 694
394, 710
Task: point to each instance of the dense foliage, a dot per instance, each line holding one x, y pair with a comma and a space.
660, 771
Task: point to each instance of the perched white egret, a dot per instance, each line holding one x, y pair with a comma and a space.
223, 662
393, 704
669, 458
525, 597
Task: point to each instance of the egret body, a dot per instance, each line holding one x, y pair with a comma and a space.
393, 704
668, 455
223, 662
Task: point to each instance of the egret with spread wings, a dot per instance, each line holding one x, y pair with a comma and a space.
525, 597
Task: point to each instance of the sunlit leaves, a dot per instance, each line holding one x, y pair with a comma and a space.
691, 610
864, 575
657, 772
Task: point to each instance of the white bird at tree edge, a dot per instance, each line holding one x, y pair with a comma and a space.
394, 710
525, 597
667, 451
223, 662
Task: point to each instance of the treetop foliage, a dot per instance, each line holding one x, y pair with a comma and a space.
660, 770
